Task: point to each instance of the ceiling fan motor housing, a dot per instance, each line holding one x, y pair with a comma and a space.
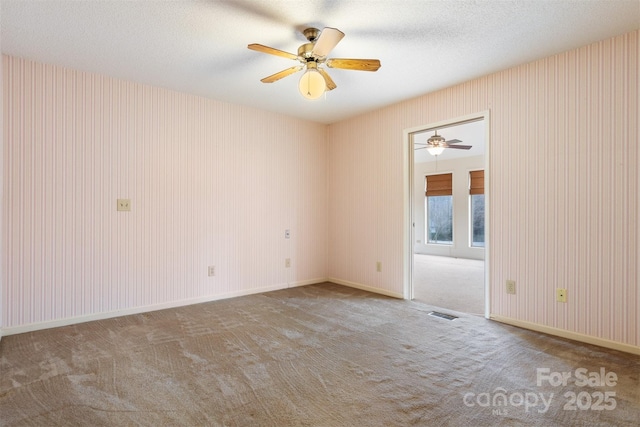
436, 140
311, 34
306, 51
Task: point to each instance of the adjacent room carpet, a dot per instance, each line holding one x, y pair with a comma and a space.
452, 283
319, 355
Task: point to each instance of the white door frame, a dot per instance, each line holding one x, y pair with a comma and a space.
408, 184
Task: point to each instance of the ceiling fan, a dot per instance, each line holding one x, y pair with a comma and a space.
315, 81
436, 144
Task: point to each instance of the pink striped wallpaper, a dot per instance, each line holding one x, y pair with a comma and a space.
217, 184
210, 184
563, 188
2, 204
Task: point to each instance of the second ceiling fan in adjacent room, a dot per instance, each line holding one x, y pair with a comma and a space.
436, 144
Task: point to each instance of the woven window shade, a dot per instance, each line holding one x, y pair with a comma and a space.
476, 182
439, 185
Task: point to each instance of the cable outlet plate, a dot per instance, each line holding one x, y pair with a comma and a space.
561, 295
212, 270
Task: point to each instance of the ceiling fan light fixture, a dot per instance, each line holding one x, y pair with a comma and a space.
312, 84
436, 144
435, 151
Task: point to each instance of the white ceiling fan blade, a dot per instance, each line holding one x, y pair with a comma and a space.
329, 38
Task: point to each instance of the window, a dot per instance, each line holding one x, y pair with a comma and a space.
476, 195
440, 219
439, 203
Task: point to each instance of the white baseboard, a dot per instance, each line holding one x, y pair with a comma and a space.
147, 308
614, 345
627, 348
308, 282
365, 288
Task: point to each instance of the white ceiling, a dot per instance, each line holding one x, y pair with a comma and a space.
200, 47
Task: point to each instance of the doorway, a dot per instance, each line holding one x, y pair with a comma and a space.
446, 260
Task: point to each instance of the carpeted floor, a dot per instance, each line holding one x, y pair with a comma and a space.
452, 283
319, 355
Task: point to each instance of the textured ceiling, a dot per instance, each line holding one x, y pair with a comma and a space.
200, 47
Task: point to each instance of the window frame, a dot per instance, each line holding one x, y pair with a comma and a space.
476, 188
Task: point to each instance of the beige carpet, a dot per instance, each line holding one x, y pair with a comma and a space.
320, 355
451, 283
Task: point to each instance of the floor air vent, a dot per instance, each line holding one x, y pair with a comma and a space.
442, 315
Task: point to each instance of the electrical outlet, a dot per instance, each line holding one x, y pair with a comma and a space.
124, 205
561, 295
511, 286
212, 270
287, 262
379, 267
